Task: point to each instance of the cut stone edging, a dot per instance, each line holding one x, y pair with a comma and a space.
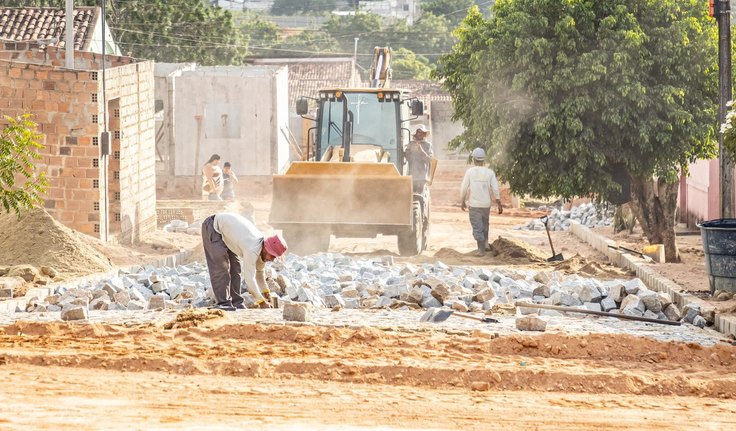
41, 292
654, 281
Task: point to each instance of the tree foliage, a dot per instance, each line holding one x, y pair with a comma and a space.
20, 186
293, 7
177, 31
569, 94
407, 65
454, 10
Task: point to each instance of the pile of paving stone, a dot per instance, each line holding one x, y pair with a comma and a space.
586, 214
184, 227
338, 281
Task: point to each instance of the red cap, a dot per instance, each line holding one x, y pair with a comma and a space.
275, 245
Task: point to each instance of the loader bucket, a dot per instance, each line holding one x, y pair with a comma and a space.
346, 199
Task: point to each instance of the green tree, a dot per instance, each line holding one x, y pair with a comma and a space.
177, 31
580, 97
407, 65
304, 44
261, 33
20, 186
293, 7
454, 10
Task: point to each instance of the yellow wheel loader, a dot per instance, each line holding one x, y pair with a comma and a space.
353, 181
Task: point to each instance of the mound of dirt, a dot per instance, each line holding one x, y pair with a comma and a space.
503, 250
512, 250
39, 240
194, 317
578, 264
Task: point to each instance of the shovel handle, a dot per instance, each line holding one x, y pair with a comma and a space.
596, 313
479, 319
549, 237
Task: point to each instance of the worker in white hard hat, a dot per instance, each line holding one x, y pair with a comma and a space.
478, 188
419, 155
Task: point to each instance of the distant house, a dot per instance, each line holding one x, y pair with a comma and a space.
700, 193
47, 26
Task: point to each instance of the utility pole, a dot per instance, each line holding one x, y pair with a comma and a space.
355, 62
69, 36
723, 15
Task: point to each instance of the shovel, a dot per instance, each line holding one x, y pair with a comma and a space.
555, 257
437, 315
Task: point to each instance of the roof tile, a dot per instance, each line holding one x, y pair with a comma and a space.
33, 23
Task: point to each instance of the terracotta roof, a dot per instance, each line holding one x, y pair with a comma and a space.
307, 76
31, 23
427, 90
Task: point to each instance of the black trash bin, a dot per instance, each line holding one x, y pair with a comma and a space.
719, 245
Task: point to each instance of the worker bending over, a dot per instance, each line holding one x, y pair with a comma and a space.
228, 240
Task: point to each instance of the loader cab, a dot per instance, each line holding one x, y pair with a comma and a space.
361, 126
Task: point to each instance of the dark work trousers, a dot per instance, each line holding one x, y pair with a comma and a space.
479, 219
223, 264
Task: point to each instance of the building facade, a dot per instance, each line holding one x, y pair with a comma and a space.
108, 194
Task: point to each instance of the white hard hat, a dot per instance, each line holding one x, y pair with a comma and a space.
421, 128
478, 154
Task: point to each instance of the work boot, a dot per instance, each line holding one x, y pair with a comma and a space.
224, 307
481, 249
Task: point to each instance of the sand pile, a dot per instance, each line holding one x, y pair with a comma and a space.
39, 240
503, 250
580, 265
516, 251
195, 317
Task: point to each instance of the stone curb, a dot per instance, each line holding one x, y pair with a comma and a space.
41, 293
654, 281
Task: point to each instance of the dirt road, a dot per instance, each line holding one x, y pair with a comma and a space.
224, 376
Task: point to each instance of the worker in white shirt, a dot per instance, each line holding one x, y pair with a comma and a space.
478, 187
228, 240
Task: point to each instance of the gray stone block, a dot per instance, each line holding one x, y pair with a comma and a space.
651, 301
101, 303
335, 300
699, 321
485, 295
690, 311
460, 306
157, 302
562, 298
297, 312
633, 301
608, 304
617, 292
542, 290
122, 298
632, 287
431, 302
672, 313
136, 305
531, 323
593, 306
74, 312
441, 292
589, 293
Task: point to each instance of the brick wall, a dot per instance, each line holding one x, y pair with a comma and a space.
68, 106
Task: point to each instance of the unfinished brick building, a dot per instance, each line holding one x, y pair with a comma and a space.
109, 196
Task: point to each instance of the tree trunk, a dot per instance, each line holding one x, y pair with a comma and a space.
654, 201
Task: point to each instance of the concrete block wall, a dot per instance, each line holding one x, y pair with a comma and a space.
68, 107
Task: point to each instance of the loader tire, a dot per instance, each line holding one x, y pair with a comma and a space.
410, 241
